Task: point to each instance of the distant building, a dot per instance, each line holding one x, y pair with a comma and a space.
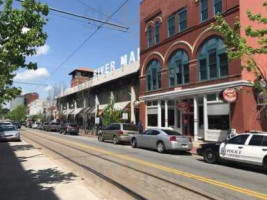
18, 101
81, 75
37, 107
23, 100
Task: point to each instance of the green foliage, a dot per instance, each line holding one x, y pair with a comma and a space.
110, 115
3, 112
18, 114
238, 47
21, 32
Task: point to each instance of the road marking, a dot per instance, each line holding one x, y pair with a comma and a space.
170, 170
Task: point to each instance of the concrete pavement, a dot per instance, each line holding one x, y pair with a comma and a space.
27, 174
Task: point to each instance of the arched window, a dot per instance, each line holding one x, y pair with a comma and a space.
157, 25
149, 37
153, 76
212, 60
178, 68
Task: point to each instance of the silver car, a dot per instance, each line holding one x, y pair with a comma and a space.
162, 140
118, 132
9, 132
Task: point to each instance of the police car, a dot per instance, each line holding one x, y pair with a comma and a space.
244, 148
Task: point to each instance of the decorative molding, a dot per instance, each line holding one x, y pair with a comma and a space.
148, 57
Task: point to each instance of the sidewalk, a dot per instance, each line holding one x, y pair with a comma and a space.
27, 174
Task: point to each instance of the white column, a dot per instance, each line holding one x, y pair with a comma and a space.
159, 114
195, 119
166, 114
175, 114
205, 117
133, 99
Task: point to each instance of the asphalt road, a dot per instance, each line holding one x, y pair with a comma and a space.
120, 172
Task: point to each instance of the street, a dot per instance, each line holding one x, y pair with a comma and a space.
121, 172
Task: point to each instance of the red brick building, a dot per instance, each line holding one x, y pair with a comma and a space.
185, 70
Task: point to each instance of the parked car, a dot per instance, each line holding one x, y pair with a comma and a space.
9, 133
247, 148
54, 126
45, 126
6, 123
162, 140
36, 125
118, 132
69, 128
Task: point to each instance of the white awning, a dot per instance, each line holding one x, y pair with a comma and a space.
77, 111
69, 112
117, 106
64, 112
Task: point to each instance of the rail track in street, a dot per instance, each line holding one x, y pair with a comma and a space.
120, 186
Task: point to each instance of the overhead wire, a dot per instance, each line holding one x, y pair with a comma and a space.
85, 41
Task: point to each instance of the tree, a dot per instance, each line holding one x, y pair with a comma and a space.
239, 49
110, 114
21, 32
3, 112
18, 114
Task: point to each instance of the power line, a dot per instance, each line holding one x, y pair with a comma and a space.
27, 83
92, 8
85, 41
85, 17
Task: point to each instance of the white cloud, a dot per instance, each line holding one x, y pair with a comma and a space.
32, 75
43, 50
48, 88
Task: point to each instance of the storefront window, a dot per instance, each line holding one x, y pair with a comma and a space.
153, 76
218, 122
171, 117
152, 117
211, 97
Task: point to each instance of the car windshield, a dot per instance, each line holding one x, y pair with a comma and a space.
170, 132
129, 127
7, 128
73, 125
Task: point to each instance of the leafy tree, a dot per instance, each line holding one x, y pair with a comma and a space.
110, 114
3, 112
18, 114
21, 32
239, 49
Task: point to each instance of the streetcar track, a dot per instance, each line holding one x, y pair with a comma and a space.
102, 176
118, 163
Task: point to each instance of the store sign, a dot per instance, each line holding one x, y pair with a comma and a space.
230, 95
110, 67
183, 106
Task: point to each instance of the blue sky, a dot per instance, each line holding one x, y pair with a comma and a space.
66, 33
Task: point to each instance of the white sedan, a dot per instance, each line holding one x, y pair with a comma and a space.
8, 133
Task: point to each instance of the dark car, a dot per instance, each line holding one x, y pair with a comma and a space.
69, 128
45, 126
17, 124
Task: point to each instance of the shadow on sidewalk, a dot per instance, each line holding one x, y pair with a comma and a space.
18, 184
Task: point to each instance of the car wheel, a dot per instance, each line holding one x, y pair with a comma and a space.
115, 140
100, 138
134, 143
161, 147
265, 163
210, 156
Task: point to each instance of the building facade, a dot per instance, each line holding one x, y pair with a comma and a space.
37, 107
187, 82
23, 100
83, 103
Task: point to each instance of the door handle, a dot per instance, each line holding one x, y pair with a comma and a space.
264, 149
240, 147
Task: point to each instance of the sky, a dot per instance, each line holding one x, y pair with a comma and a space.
66, 33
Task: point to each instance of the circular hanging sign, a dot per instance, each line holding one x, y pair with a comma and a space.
230, 95
183, 106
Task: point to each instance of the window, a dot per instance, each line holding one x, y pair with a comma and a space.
129, 127
154, 132
204, 12
182, 19
256, 140
211, 97
264, 142
170, 132
149, 37
171, 25
179, 68
241, 139
217, 6
212, 60
218, 116
153, 76
157, 26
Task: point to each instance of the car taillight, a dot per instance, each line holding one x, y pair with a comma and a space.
173, 138
120, 132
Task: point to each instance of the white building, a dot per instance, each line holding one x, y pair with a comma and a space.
36, 107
